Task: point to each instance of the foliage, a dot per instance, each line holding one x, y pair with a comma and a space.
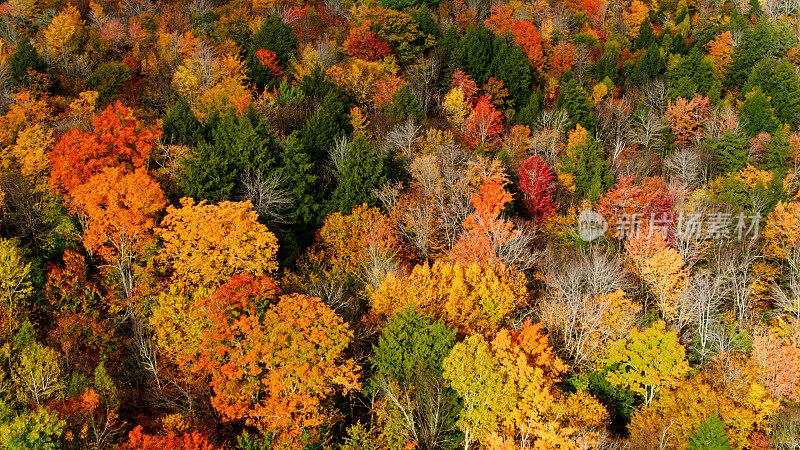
537, 182
118, 139
39, 429
412, 345
648, 361
275, 370
275, 36
471, 298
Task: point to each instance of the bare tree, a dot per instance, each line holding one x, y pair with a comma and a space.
403, 137
788, 298
333, 292
516, 249
685, 167
171, 157
327, 55
734, 264
706, 291
615, 120
423, 413
647, 130
546, 139
574, 310
268, 194
381, 263
423, 77
655, 94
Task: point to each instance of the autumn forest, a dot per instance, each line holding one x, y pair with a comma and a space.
399, 224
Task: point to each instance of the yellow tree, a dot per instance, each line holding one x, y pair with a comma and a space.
648, 361
584, 325
203, 247
675, 415
661, 268
720, 52
456, 106
29, 154
59, 33
14, 278
350, 245
470, 298
635, 17
509, 396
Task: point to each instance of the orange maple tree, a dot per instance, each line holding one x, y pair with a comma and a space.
687, 118
484, 229
274, 369
118, 211
118, 139
138, 440
485, 123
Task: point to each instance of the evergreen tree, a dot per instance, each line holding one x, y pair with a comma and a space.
710, 435
325, 126
757, 109
298, 171
24, 58
730, 152
780, 82
650, 65
239, 145
315, 85
511, 66
180, 126
607, 67
579, 106
778, 153
645, 37
405, 106
473, 54
275, 36
363, 170
530, 113
755, 11
756, 43
593, 174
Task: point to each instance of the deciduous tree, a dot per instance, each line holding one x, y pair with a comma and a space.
118, 139
276, 369
648, 361
470, 298
118, 210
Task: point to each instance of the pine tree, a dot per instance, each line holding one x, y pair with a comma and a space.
180, 125
325, 126
758, 111
730, 151
473, 54
405, 106
239, 145
25, 58
593, 174
710, 435
274, 36
363, 171
778, 153
579, 106
756, 43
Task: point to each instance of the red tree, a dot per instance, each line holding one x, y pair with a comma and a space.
117, 140
537, 182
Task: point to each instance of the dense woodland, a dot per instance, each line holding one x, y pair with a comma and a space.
275, 224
